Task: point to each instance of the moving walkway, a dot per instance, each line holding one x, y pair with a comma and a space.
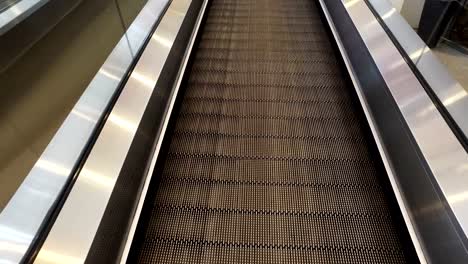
264, 131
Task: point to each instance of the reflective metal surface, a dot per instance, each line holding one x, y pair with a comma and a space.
408, 39
5, 4
444, 154
72, 234
159, 140
22, 217
450, 92
17, 12
375, 132
49, 175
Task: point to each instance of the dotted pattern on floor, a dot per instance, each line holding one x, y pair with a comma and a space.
268, 162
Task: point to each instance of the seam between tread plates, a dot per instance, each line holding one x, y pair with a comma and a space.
317, 118
230, 49
258, 157
199, 69
284, 86
259, 100
285, 137
225, 31
334, 86
323, 214
234, 23
324, 61
270, 183
266, 17
333, 248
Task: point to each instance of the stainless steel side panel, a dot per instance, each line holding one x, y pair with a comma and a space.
21, 219
449, 91
377, 137
444, 155
17, 12
73, 232
159, 140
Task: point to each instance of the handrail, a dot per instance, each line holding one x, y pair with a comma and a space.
17, 12
25, 215
72, 234
444, 89
425, 161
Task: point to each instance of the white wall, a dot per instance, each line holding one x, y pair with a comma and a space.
412, 10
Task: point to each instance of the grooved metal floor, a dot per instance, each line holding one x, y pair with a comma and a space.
268, 162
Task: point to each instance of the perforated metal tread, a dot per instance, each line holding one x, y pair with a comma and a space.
268, 162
